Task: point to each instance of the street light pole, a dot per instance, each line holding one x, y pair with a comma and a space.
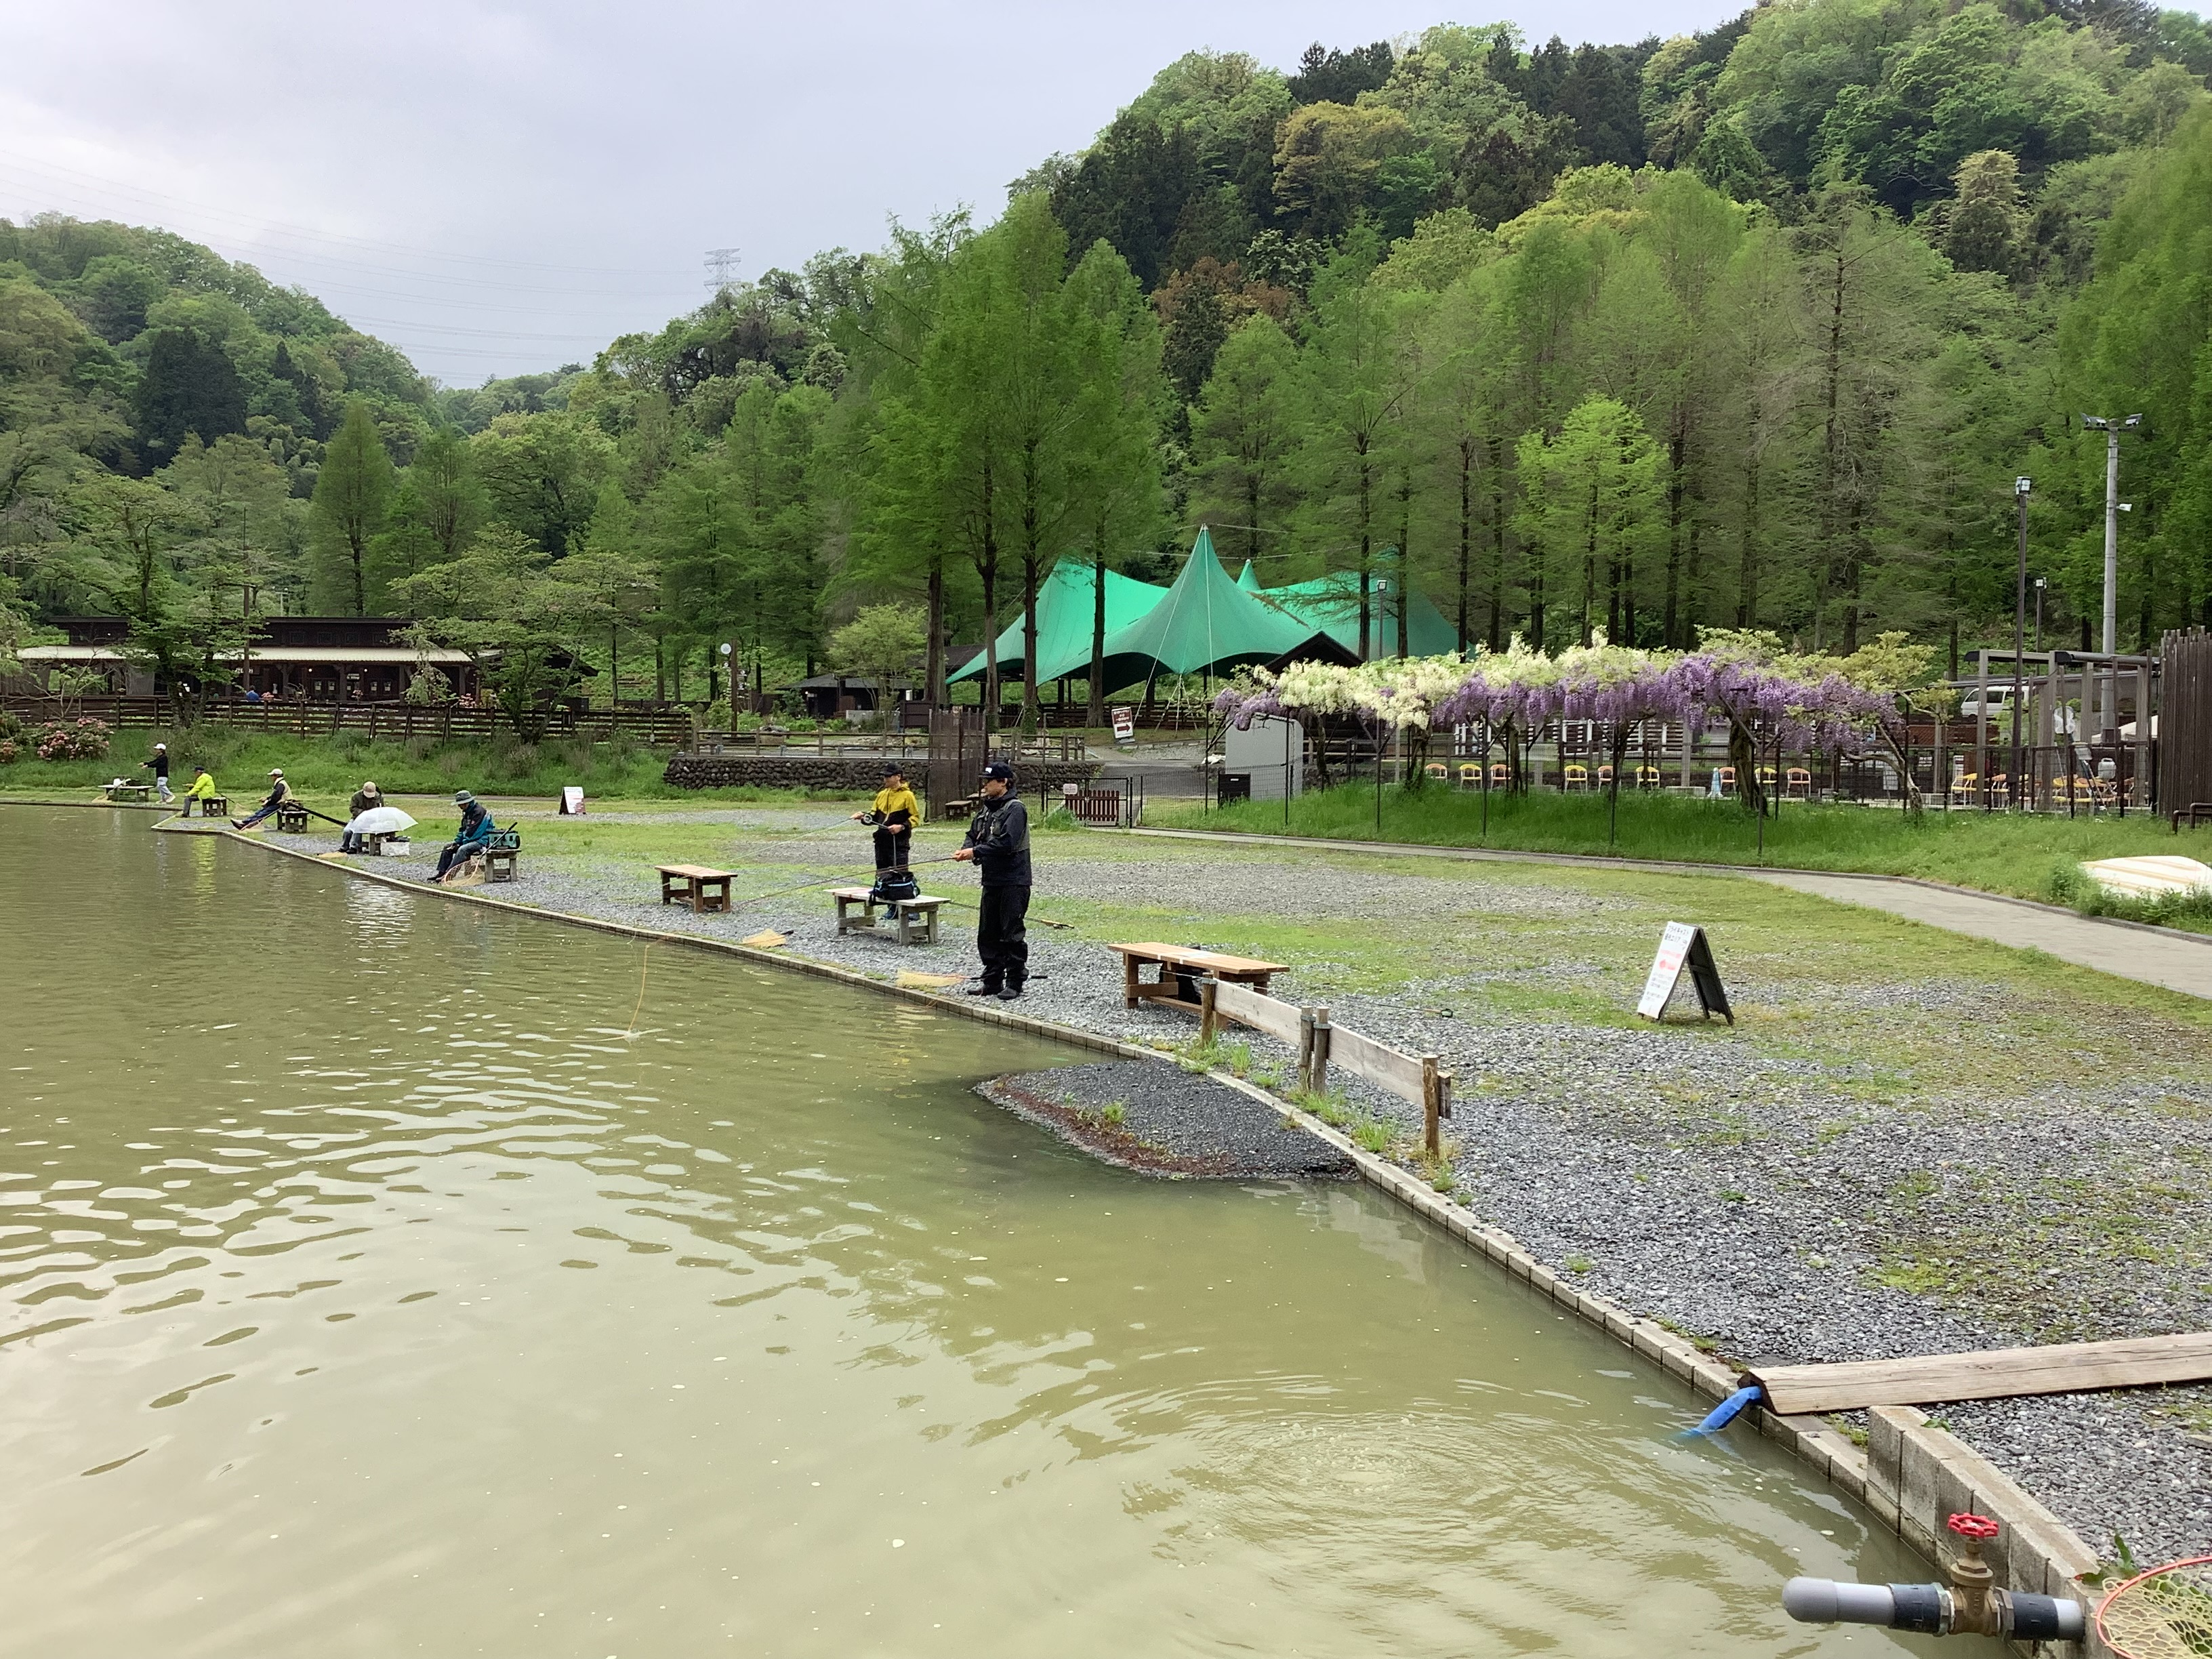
2020, 487
2111, 427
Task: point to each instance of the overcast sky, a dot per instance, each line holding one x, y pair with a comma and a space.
499, 188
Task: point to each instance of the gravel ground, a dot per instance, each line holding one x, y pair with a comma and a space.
1161, 1120
1787, 1208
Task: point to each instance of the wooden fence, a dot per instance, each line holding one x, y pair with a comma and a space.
664, 728
1419, 1079
2184, 730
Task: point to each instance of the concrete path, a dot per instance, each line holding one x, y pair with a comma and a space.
2153, 956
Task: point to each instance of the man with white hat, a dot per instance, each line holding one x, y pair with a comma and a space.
161, 765
279, 792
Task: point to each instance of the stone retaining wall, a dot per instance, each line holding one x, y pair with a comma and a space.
861, 775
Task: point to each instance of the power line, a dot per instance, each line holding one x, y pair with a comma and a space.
279, 228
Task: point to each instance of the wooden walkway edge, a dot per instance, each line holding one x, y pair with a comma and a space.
1987, 1374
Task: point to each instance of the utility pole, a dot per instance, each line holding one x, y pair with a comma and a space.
2020, 487
2111, 427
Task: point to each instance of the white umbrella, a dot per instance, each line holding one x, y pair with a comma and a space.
381, 821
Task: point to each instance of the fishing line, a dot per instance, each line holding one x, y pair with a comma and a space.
644, 961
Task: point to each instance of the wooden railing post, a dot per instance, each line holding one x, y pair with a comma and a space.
1317, 1054
1208, 1026
1432, 1107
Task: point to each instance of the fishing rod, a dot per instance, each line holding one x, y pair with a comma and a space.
808, 886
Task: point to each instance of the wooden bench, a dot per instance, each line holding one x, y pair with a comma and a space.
292, 818
2197, 811
126, 792
695, 884
1180, 969
214, 806
916, 917
502, 852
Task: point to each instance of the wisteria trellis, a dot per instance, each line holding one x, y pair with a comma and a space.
1522, 689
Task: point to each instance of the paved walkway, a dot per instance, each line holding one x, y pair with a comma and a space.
2153, 955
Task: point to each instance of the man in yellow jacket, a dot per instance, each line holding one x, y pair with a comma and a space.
895, 811
202, 790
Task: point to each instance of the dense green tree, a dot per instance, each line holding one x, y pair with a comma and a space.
1245, 437
541, 474
189, 388
1360, 372
353, 493
1593, 507
522, 623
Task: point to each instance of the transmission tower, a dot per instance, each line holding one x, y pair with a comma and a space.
722, 268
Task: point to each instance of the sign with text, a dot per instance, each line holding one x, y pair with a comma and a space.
1125, 723
1684, 945
572, 800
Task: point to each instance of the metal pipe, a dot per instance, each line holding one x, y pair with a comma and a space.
1932, 1610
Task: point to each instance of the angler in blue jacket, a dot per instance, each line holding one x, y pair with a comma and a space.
475, 834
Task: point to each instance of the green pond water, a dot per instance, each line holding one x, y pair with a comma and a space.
381, 1275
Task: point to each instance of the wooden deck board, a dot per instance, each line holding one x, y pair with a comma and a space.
1988, 1374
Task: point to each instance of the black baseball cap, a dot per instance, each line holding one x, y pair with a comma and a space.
894, 770
999, 770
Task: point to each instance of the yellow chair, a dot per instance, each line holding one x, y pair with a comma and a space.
1647, 777
1575, 777
1470, 776
1766, 777
1963, 787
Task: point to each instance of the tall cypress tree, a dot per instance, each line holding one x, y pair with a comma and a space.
352, 494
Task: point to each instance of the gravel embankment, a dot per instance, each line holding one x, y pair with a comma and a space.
1160, 1120
1789, 1208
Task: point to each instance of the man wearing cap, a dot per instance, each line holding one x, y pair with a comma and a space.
893, 812
364, 798
998, 845
201, 789
279, 792
161, 765
475, 834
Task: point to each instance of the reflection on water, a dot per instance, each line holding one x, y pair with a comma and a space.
365, 1290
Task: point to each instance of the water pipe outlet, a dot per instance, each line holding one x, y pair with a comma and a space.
1969, 1606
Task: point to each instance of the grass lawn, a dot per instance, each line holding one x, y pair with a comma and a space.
2026, 855
331, 766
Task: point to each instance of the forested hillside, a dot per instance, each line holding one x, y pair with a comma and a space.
1751, 328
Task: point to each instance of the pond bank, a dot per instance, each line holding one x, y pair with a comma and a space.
1822, 1182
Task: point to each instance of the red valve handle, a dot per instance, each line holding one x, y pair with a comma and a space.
1970, 1525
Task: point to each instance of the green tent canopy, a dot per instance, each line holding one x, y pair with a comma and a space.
1249, 579
1330, 603
1066, 614
1206, 622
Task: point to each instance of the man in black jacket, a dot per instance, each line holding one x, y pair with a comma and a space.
998, 845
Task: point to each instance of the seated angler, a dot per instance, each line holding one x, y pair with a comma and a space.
363, 799
279, 792
475, 834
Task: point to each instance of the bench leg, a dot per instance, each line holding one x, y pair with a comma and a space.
1128, 981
